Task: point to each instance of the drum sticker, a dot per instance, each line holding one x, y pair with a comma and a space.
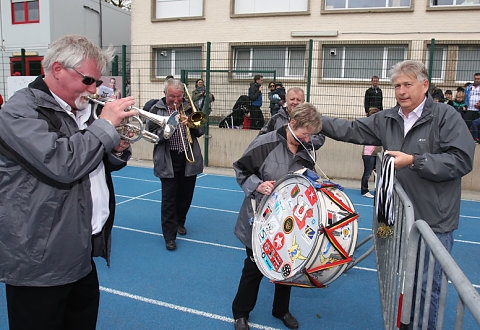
272, 255
286, 270
267, 262
309, 232
288, 225
300, 213
311, 195
271, 227
331, 218
294, 252
295, 191
267, 213
346, 232
279, 208
262, 235
279, 240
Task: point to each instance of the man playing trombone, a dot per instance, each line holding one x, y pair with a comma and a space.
177, 161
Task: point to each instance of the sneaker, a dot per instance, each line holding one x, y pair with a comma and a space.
368, 195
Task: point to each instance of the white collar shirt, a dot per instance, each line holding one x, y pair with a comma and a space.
98, 184
412, 118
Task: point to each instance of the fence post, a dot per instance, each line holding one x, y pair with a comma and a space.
124, 70
207, 103
430, 63
309, 73
23, 70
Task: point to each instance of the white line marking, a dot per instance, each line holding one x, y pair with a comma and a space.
177, 307
129, 178
137, 197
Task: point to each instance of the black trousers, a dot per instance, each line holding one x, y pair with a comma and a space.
246, 297
368, 166
69, 306
177, 194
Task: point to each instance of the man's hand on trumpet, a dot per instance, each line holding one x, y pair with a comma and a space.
184, 119
114, 111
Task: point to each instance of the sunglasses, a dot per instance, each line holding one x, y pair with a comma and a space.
88, 80
271, 86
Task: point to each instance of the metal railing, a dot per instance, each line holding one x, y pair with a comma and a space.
467, 295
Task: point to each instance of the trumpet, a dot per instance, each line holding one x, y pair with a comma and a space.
195, 120
132, 128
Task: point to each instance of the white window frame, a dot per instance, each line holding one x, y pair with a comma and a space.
347, 7
259, 7
286, 62
383, 75
173, 63
455, 4
189, 9
443, 69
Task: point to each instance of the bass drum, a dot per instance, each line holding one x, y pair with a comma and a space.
304, 232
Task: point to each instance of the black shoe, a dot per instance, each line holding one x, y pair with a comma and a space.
241, 324
182, 230
171, 245
289, 320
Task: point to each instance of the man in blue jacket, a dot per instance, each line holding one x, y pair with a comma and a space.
432, 148
255, 96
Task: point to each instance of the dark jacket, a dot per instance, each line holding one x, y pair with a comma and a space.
46, 205
373, 99
266, 158
162, 160
255, 95
443, 149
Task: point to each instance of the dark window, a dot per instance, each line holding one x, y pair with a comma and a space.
25, 12
33, 65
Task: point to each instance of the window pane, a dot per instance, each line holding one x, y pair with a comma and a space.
296, 63
33, 10
34, 68
441, 2
18, 12
394, 55
188, 59
398, 3
366, 3
363, 62
16, 67
269, 59
332, 4
467, 64
332, 61
438, 61
163, 62
242, 62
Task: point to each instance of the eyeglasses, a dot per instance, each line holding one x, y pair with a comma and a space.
88, 80
271, 86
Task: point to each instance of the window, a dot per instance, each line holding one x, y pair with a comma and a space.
269, 6
359, 62
174, 60
439, 62
467, 62
25, 12
178, 8
361, 4
286, 61
33, 65
436, 3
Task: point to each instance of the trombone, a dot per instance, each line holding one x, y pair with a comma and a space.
195, 120
132, 132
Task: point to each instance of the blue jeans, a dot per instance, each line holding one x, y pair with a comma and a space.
475, 125
368, 166
447, 241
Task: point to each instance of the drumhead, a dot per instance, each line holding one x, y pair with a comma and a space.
285, 230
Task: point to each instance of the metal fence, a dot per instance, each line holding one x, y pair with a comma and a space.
335, 75
467, 295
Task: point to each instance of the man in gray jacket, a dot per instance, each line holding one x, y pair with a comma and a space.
432, 149
57, 195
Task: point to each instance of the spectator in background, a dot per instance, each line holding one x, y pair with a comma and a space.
256, 120
448, 95
437, 93
459, 103
475, 125
1, 101
373, 96
276, 97
472, 100
295, 96
127, 88
116, 92
369, 156
199, 96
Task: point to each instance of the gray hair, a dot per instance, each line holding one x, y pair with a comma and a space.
296, 90
71, 50
306, 115
409, 67
174, 83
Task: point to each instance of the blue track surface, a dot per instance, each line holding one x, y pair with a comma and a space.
148, 287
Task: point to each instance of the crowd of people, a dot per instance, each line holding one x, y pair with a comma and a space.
58, 203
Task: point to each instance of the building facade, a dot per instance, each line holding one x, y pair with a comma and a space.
33, 24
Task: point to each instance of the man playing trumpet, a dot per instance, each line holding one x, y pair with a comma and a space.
177, 161
58, 205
